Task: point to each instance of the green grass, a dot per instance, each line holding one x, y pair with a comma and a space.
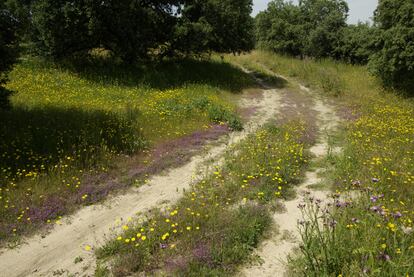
368, 231
213, 229
66, 123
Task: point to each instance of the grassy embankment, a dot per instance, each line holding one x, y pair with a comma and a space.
66, 124
369, 233
218, 222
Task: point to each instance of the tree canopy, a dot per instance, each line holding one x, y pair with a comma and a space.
8, 41
134, 28
394, 60
310, 28
137, 29
318, 29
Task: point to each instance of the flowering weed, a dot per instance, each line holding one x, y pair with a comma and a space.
66, 124
368, 228
216, 225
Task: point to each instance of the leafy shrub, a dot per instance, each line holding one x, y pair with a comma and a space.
218, 114
394, 62
357, 43
310, 29
277, 28
330, 82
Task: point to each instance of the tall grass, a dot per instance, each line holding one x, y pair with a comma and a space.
368, 231
331, 77
68, 121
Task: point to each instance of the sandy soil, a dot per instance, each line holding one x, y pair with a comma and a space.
55, 254
274, 252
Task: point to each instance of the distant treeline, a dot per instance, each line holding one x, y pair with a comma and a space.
140, 29
318, 29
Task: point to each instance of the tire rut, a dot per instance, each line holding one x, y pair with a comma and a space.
57, 252
275, 251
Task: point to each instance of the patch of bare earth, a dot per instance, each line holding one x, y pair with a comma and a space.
322, 119
57, 252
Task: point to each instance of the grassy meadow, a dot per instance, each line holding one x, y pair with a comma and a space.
66, 123
216, 225
368, 231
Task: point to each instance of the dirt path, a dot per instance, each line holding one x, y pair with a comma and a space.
275, 251
55, 254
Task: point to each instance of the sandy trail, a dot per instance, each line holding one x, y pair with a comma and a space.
275, 251
56, 253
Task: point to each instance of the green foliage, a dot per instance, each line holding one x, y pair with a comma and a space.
60, 28
278, 28
219, 114
309, 29
394, 62
357, 43
221, 26
133, 30
322, 21
8, 42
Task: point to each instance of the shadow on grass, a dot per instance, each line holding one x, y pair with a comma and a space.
162, 75
34, 138
271, 80
5, 98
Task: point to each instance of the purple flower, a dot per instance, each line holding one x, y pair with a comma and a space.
163, 246
374, 198
340, 204
375, 209
333, 223
375, 180
384, 257
397, 215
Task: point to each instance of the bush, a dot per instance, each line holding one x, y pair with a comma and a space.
357, 43
277, 28
394, 63
309, 29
